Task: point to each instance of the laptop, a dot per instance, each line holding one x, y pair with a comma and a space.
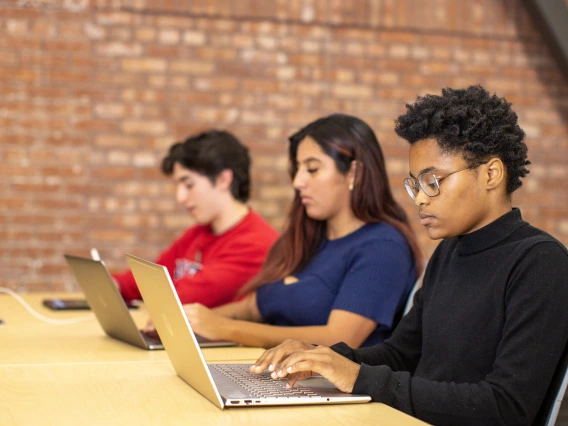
110, 308
225, 385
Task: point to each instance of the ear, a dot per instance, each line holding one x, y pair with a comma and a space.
496, 173
224, 179
354, 174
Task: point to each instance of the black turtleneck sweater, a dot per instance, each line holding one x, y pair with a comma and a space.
485, 334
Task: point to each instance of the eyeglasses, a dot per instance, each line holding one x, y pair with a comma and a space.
429, 182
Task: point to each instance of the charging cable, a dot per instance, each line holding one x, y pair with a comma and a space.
42, 317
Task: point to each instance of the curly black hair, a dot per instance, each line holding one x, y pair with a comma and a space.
470, 122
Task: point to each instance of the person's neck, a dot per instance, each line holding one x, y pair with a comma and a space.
342, 225
229, 217
498, 209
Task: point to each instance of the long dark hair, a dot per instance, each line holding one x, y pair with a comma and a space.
345, 139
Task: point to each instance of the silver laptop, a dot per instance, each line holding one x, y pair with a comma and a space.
110, 309
225, 385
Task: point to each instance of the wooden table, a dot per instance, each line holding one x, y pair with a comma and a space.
74, 374
24, 339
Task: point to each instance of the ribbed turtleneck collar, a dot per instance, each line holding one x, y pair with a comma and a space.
491, 234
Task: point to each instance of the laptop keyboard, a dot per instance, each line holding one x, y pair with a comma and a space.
260, 385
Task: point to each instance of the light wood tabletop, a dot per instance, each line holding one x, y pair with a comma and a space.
149, 394
27, 340
75, 374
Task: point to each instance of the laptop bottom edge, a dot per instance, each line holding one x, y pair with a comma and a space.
285, 401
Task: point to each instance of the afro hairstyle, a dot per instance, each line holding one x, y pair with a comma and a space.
470, 122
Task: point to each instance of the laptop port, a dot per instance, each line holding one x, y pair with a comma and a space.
248, 402
234, 402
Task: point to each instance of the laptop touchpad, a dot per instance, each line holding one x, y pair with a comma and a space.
316, 382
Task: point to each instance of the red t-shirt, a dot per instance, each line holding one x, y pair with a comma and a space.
208, 268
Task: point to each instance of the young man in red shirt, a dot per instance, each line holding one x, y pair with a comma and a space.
226, 247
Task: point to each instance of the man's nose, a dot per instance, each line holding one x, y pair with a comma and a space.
181, 194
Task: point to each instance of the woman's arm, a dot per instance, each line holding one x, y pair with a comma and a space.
244, 309
341, 326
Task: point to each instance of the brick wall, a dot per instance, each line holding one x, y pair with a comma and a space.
93, 92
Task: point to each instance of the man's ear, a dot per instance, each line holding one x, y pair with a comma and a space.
224, 180
496, 173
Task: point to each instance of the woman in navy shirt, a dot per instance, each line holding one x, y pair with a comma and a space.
344, 266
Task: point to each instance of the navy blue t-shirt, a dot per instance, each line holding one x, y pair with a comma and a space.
369, 272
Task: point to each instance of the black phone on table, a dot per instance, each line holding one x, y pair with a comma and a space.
56, 304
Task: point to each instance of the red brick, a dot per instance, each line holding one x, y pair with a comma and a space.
15, 12
68, 140
67, 77
56, 204
142, 95
145, 34
398, 65
173, 22
216, 84
215, 53
437, 68
164, 52
137, 221
260, 86
113, 173
12, 234
12, 204
113, 18
19, 74
95, 126
144, 127
33, 252
440, 40
85, 91
9, 43
73, 46
306, 59
352, 91
71, 31
193, 98
36, 187
192, 67
119, 49
118, 79
114, 235
144, 65
91, 188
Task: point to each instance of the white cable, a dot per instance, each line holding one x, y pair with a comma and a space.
43, 317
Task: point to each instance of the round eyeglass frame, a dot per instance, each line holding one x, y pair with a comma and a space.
413, 186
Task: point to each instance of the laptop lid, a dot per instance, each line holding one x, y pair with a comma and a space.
162, 301
180, 343
105, 300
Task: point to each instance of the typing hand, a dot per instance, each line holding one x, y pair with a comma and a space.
302, 363
272, 357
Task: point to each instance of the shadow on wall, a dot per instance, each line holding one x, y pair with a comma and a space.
543, 113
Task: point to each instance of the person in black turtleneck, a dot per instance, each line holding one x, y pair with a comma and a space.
489, 325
